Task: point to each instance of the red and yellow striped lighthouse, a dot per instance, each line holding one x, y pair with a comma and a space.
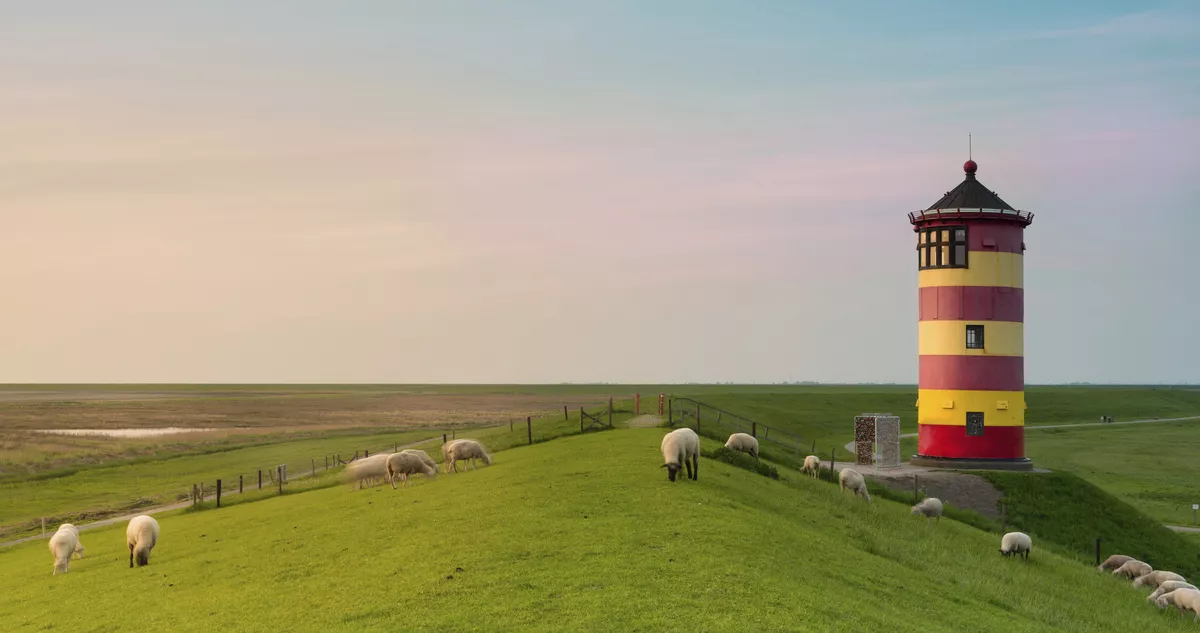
971, 392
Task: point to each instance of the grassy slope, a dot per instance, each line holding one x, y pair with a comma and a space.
826, 413
1154, 467
582, 533
1071, 512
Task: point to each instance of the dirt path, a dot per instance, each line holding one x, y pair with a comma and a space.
1182, 528
168, 507
643, 422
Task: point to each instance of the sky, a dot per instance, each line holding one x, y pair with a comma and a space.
602, 191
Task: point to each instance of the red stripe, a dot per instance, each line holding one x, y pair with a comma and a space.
973, 373
997, 442
989, 236
972, 303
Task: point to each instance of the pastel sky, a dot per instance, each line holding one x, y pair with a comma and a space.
623, 191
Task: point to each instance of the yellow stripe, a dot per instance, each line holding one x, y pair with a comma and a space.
986, 269
1000, 338
950, 407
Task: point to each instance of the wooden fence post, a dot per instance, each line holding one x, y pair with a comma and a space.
395, 447
637, 404
444, 435
567, 417
670, 413
218, 493
581, 419
279, 477
754, 429
697, 417
239, 484
610, 408
366, 453
326, 462
832, 464
260, 479
529, 428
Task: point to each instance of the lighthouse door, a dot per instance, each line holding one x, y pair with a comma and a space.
974, 423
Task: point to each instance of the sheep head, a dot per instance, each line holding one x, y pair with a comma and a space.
672, 470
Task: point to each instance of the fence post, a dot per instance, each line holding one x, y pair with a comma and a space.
218, 493
239, 484
43, 527
326, 462
509, 429
395, 447
202, 492
279, 477
610, 408
754, 429
366, 453
567, 417
581, 419
285, 472
314, 466
444, 435
660, 404
697, 417
260, 479
832, 464
670, 413
637, 404
1097, 551
529, 428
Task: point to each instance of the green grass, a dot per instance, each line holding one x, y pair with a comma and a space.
1067, 510
1153, 467
584, 533
92, 493
825, 413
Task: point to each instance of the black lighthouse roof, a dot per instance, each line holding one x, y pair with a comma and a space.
971, 194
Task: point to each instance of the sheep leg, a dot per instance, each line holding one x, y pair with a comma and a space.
131, 555
688, 464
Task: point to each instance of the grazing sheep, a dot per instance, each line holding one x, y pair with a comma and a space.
1187, 600
422, 454
141, 536
404, 463
743, 442
1166, 600
852, 479
1114, 562
1132, 569
931, 507
1017, 543
63, 544
812, 466
681, 448
467, 449
1156, 578
370, 469
446, 454
1168, 587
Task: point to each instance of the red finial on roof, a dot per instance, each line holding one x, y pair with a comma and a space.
970, 167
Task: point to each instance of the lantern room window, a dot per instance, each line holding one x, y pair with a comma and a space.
975, 337
942, 247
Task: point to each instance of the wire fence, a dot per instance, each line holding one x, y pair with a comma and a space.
717, 423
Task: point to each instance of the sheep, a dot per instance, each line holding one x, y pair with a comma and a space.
1187, 600
1166, 600
1113, 562
1017, 543
931, 507
812, 466
422, 454
1132, 569
852, 479
1169, 586
681, 448
141, 536
743, 442
367, 469
401, 465
446, 454
1156, 578
63, 545
467, 449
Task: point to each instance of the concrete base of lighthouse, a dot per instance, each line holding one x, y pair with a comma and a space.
958, 463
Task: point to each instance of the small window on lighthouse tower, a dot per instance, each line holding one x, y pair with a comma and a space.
974, 337
942, 247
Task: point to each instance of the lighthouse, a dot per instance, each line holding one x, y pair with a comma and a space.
971, 390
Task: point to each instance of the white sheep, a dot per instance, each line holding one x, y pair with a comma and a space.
852, 479
422, 454
1187, 600
467, 449
446, 454
743, 442
1017, 543
1167, 599
1132, 569
369, 469
1156, 578
681, 448
401, 465
931, 507
63, 544
1168, 587
812, 466
1114, 562
141, 536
